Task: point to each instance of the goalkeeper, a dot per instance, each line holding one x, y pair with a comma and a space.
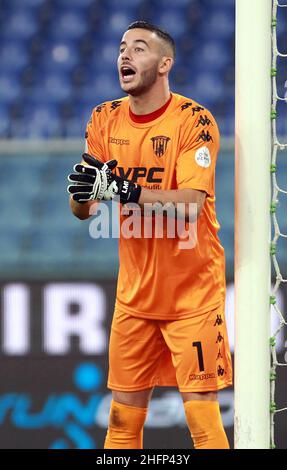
168, 329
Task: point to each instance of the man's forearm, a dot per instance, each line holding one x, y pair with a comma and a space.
172, 197
82, 210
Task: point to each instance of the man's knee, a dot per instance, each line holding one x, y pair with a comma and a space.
204, 420
138, 399
205, 396
125, 429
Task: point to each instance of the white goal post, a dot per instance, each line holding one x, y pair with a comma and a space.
252, 223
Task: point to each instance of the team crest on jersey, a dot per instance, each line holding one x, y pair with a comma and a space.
159, 144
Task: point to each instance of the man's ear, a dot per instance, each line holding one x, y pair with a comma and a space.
166, 64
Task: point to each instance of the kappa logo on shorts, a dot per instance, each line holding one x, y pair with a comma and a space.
219, 338
159, 144
201, 376
218, 321
220, 371
219, 355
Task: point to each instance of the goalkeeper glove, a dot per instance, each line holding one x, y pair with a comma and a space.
96, 181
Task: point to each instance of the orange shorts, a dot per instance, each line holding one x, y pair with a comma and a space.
192, 354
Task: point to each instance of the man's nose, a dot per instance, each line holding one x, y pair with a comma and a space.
126, 55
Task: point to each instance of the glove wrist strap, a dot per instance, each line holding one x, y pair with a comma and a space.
130, 192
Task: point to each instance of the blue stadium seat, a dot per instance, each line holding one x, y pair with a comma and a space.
4, 121
53, 212
9, 245
69, 24
25, 183
103, 87
197, 89
228, 4
75, 4
179, 3
13, 56
47, 247
55, 89
212, 56
74, 127
10, 88
124, 3
226, 125
25, 3
59, 55
116, 23
172, 20
219, 23
19, 24
44, 121
107, 55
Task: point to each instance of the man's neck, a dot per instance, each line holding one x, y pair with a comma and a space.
149, 102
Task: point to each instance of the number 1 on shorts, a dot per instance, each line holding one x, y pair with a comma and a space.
197, 345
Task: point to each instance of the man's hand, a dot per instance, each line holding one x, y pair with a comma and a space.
96, 181
91, 181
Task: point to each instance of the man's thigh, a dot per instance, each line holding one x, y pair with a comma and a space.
135, 353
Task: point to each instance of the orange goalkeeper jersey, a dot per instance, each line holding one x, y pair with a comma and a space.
176, 150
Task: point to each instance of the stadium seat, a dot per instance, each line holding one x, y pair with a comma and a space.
19, 24
74, 127
103, 88
213, 56
10, 88
179, 3
69, 24
59, 55
4, 121
13, 56
15, 4
124, 3
75, 4
228, 4
219, 23
173, 21
10, 246
117, 22
44, 120
55, 89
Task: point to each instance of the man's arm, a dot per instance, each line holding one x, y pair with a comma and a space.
173, 197
82, 210
128, 192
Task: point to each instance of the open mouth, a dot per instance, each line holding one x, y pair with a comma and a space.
127, 73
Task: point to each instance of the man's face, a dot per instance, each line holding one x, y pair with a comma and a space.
138, 61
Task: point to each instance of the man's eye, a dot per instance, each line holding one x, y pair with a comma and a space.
121, 51
138, 49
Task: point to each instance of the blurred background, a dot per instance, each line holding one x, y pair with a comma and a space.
57, 62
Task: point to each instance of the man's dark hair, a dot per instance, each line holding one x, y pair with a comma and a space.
159, 32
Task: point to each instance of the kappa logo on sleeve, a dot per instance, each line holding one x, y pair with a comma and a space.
203, 157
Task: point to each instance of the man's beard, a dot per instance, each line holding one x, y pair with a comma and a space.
148, 79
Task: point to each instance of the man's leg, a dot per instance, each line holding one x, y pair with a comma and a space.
204, 420
127, 416
202, 360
